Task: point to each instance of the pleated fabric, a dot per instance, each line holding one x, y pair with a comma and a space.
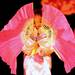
10, 39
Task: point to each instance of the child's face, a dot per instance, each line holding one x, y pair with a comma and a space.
37, 21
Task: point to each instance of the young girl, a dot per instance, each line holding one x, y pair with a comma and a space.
38, 39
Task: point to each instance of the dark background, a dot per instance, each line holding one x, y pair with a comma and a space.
8, 9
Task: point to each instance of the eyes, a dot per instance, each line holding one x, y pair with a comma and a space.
37, 21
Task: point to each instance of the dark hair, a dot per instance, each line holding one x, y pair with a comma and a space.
37, 7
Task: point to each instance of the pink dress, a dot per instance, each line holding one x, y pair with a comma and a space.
44, 39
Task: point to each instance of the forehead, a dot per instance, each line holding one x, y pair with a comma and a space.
37, 16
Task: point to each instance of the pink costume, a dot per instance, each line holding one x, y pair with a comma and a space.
35, 40
11, 43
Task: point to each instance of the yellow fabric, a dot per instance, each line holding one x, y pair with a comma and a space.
30, 33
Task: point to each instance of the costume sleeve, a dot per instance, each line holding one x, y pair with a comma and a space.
10, 41
65, 41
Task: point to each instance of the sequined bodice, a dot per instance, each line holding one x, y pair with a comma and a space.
42, 36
